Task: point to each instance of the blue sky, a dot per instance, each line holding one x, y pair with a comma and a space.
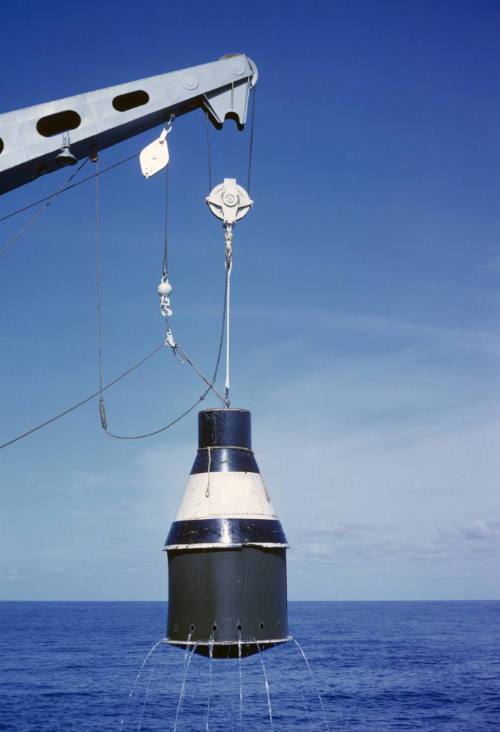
366, 299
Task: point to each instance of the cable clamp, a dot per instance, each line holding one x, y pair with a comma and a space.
174, 346
102, 413
170, 339
228, 236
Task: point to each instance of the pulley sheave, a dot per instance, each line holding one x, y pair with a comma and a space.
229, 201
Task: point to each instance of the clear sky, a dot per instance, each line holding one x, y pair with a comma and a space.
366, 299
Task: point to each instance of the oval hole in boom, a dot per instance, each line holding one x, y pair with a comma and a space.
131, 100
54, 124
1, 144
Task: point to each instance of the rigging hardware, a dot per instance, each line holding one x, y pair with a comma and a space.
164, 290
155, 156
230, 202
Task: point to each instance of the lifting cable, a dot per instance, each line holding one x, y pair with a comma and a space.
112, 383
86, 399
67, 187
164, 262
209, 152
250, 145
250, 142
229, 267
177, 350
229, 251
50, 199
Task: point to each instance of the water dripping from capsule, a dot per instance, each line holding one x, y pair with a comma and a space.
210, 656
313, 682
266, 684
183, 687
241, 684
150, 652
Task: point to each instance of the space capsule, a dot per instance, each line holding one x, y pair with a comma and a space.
226, 548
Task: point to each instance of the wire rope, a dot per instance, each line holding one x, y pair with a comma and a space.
67, 187
229, 263
177, 349
209, 152
202, 396
250, 142
164, 266
102, 411
51, 199
227, 386
85, 400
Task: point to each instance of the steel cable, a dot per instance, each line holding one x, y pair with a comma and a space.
51, 199
102, 388
85, 400
250, 142
176, 348
164, 266
67, 187
209, 152
200, 398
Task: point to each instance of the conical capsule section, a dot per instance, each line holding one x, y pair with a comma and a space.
226, 548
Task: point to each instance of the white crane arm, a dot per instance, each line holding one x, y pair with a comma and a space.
40, 139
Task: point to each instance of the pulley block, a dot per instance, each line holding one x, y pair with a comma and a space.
229, 201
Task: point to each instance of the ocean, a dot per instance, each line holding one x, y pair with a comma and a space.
377, 665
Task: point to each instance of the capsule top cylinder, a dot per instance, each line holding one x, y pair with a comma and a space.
224, 428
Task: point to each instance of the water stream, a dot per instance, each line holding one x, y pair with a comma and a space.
190, 691
241, 681
266, 684
150, 652
313, 680
210, 656
148, 688
188, 656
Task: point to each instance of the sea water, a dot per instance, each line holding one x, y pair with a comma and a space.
378, 666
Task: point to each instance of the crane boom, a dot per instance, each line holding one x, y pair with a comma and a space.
43, 138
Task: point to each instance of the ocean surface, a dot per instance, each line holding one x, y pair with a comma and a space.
378, 665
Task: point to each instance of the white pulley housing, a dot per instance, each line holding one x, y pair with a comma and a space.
229, 201
155, 156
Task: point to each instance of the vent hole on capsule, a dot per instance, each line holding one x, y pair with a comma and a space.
192, 627
261, 626
214, 626
239, 626
278, 624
